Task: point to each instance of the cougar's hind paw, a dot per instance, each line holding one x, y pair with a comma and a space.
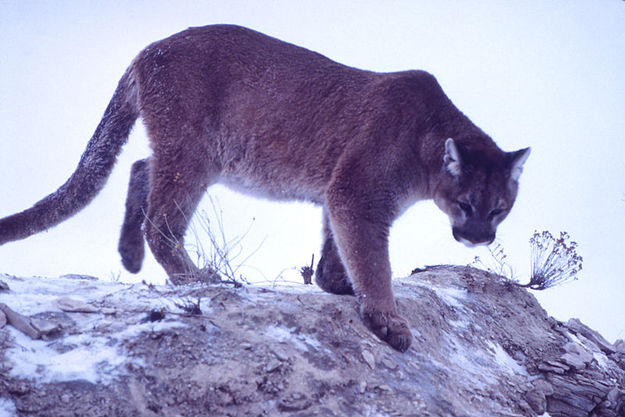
132, 255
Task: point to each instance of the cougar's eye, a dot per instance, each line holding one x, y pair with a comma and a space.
465, 207
496, 212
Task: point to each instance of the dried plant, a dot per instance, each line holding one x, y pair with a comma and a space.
554, 260
498, 263
218, 264
223, 254
190, 307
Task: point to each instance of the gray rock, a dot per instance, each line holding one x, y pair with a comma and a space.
537, 400
20, 322
482, 347
578, 327
576, 356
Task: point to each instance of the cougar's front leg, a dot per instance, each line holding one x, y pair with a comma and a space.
330, 274
360, 219
131, 243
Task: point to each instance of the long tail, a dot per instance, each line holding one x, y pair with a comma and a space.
93, 170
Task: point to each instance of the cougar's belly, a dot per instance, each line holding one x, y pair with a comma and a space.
277, 182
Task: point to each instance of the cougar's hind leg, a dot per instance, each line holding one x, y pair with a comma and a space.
330, 274
131, 243
175, 191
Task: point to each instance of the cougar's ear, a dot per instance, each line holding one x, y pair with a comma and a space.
452, 161
517, 159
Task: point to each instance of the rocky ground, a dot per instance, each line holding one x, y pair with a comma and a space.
74, 346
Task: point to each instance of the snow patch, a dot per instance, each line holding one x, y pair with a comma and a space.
134, 331
463, 323
601, 359
505, 360
97, 358
481, 364
89, 358
287, 335
7, 408
574, 338
450, 295
38, 295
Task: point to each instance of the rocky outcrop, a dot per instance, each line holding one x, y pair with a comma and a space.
482, 347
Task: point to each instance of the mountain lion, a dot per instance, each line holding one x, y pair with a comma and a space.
227, 104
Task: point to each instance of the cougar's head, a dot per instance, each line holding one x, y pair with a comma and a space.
477, 189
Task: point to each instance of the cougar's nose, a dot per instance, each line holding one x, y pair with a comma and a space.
471, 240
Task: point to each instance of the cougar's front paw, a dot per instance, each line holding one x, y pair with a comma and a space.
389, 327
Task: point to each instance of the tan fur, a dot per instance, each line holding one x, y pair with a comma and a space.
227, 104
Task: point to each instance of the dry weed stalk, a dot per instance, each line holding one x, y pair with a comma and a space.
223, 254
498, 263
217, 264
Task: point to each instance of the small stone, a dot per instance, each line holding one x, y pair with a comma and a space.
80, 277
614, 394
74, 306
362, 386
272, 366
594, 336
4, 286
20, 322
369, 358
552, 366
390, 364
573, 360
280, 355
576, 356
385, 388
294, 402
18, 387
45, 327
537, 400
543, 386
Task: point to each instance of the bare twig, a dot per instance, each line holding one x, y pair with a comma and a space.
308, 271
498, 263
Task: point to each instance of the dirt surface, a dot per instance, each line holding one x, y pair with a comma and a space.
482, 347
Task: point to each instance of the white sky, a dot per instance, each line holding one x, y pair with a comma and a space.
550, 75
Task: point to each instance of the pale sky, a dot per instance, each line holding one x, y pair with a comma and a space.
550, 75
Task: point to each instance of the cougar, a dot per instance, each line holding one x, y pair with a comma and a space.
227, 104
